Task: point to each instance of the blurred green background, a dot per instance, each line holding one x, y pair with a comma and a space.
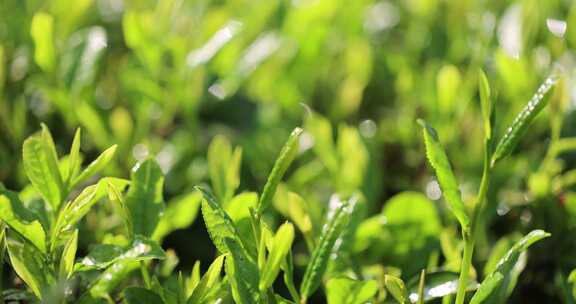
163, 78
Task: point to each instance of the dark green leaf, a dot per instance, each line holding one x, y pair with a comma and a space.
138, 295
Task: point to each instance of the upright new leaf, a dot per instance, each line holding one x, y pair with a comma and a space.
396, 288
522, 121
286, 157
319, 261
42, 30
492, 289
219, 225
144, 198
439, 161
41, 166
486, 104
207, 282
280, 247
21, 220
224, 168
96, 166
76, 209
68, 255
74, 161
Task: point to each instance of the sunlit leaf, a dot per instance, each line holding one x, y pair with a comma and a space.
30, 265
439, 161
208, 281
493, 289
42, 32
224, 168
319, 261
219, 225
41, 166
144, 198
96, 166
342, 290
282, 243
23, 221
242, 272
286, 157
69, 255
522, 121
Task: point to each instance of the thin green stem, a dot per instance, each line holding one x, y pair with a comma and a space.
145, 275
470, 236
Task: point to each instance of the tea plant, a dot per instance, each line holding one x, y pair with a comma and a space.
42, 227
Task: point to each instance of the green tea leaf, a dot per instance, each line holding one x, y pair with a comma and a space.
21, 220
520, 124
319, 261
224, 168
76, 209
68, 256
42, 30
41, 166
104, 255
343, 290
282, 243
74, 161
139, 295
144, 198
439, 161
324, 146
242, 272
208, 281
179, 214
219, 225
489, 285
486, 104
286, 157
96, 166
493, 289
396, 288
30, 266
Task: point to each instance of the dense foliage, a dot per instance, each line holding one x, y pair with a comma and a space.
180, 151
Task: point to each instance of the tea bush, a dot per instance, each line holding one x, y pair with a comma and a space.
287, 151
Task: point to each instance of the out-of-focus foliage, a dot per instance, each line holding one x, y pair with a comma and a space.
202, 92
